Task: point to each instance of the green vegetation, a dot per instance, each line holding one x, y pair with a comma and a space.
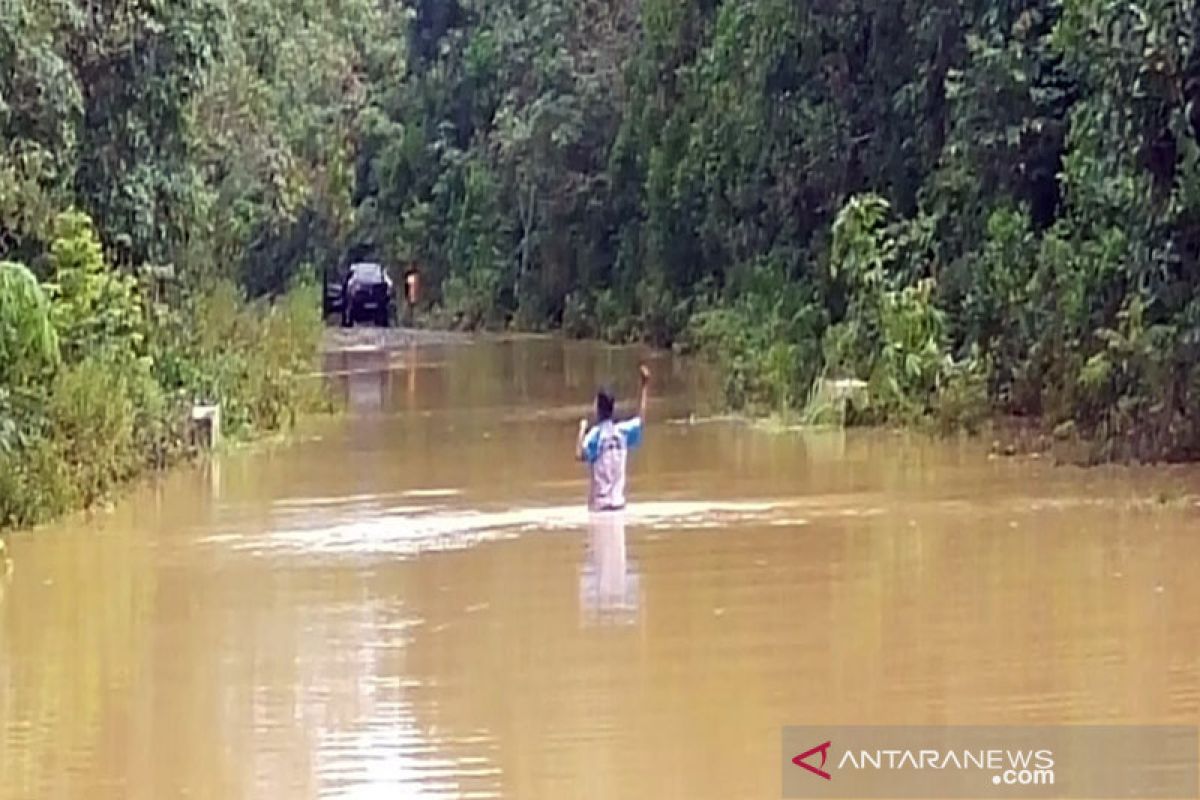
971, 207
161, 165
98, 378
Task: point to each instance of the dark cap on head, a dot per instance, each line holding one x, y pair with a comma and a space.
605, 403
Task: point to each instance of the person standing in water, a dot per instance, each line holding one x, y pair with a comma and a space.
605, 447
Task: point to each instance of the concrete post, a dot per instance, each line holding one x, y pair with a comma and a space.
206, 426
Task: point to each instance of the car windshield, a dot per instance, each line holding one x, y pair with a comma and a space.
367, 273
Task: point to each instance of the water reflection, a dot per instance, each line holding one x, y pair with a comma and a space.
610, 590
400, 605
378, 381
367, 382
411, 372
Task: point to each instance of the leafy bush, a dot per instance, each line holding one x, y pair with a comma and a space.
92, 420
28, 341
615, 321
766, 344
72, 431
470, 301
95, 308
913, 355
995, 315
249, 358
577, 320
893, 335
962, 403
34, 486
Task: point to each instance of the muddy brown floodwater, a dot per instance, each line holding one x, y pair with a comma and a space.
408, 601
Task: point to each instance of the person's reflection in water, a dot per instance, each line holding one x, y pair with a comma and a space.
609, 586
6, 569
412, 376
366, 383
214, 478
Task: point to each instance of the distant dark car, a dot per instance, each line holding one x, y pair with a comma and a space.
367, 293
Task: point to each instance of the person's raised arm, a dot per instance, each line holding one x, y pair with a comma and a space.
645, 375
583, 429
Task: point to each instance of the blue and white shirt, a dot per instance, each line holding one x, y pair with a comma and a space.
605, 450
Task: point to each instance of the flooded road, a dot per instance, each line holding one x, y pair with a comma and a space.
409, 600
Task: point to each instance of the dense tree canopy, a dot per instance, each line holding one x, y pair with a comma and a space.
964, 203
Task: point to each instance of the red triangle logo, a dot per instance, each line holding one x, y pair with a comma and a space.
823, 749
